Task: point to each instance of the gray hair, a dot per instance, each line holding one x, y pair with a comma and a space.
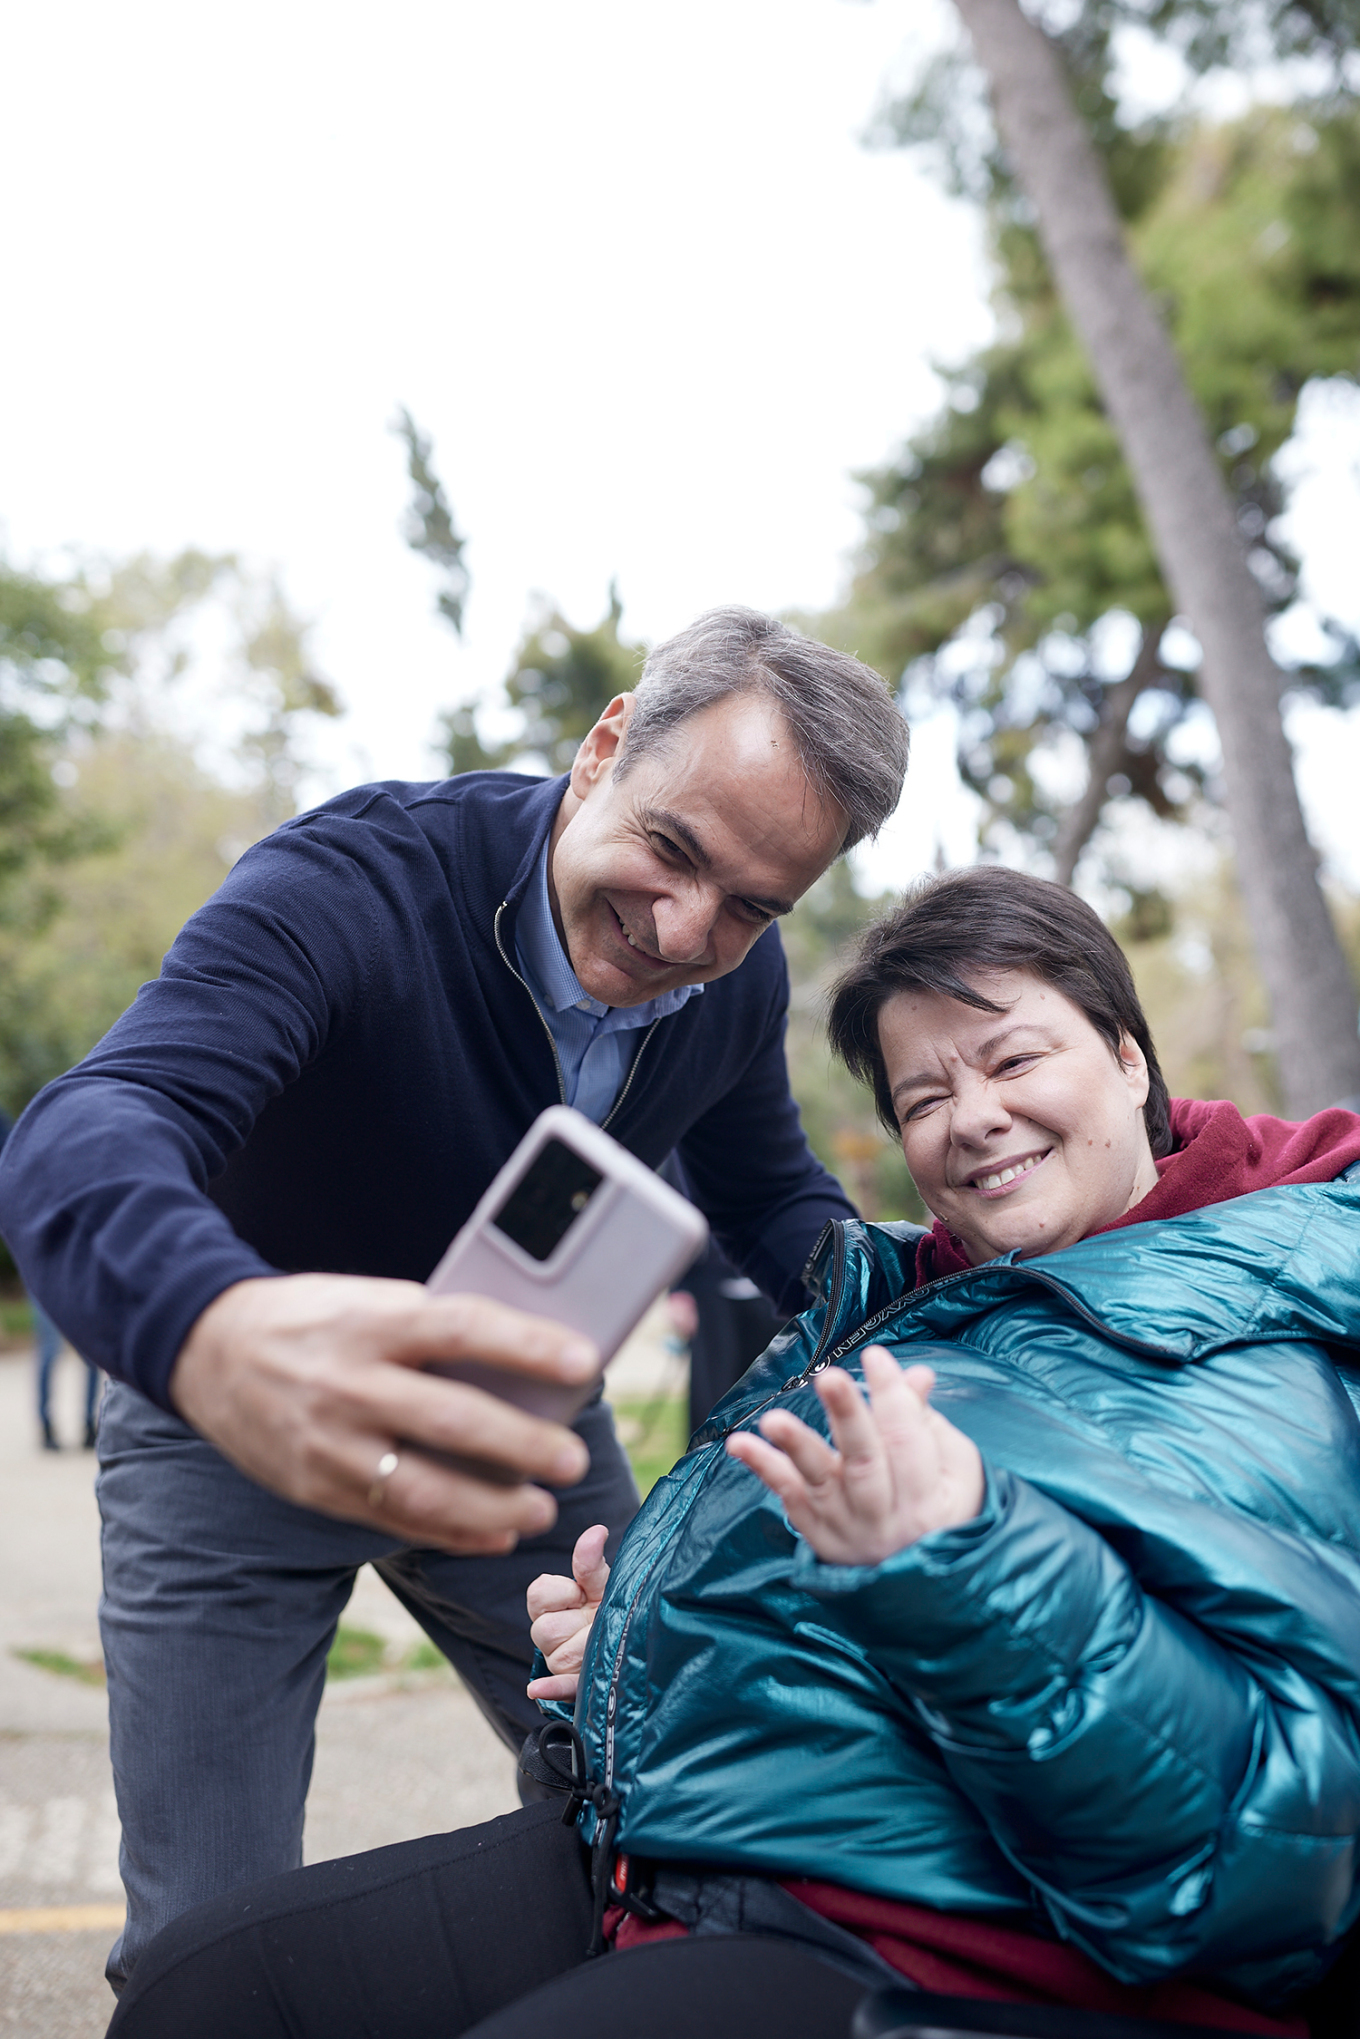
852, 739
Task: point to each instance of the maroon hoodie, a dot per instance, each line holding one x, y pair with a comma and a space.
1217, 1155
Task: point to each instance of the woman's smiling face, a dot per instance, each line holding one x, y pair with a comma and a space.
1022, 1129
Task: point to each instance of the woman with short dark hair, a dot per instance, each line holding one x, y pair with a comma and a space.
1027, 1666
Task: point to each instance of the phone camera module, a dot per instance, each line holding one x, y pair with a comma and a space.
547, 1199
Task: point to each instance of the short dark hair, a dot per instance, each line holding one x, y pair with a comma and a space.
851, 736
989, 918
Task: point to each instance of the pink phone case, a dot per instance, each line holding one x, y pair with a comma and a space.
633, 1237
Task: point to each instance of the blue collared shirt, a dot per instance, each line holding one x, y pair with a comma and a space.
591, 1039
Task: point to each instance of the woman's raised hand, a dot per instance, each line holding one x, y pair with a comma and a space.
561, 1611
898, 1470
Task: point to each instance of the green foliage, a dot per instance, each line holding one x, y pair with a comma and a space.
167, 834
1006, 534
111, 834
1215, 34
560, 683
1195, 969
273, 651
563, 679
838, 1113
58, 652
429, 527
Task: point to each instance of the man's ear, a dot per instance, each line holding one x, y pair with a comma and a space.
1133, 1063
599, 750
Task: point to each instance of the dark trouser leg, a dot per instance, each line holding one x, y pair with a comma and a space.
737, 1988
482, 1933
418, 1941
220, 1604
473, 1608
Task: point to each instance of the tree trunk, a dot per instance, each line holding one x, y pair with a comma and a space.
1104, 752
1194, 529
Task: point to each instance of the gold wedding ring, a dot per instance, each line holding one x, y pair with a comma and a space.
377, 1493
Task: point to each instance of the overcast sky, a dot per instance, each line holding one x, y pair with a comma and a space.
631, 268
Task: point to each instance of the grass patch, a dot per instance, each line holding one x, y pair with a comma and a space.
358, 1653
89, 1672
16, 1319
423, 1656
654, 1434
355, 1653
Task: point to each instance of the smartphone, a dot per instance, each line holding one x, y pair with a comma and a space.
576, 1228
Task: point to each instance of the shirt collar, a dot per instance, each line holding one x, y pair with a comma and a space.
548, 967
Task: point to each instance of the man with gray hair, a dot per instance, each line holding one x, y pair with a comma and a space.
233, 1202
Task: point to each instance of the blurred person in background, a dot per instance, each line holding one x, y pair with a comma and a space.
48, 1350
233, 1202
725, 1320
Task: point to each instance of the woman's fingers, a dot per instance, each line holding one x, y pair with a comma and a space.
769, 1464
563, 1687
551, 1631
588, 1567
813, 1456
866, 1474
896, 1394
550, 1593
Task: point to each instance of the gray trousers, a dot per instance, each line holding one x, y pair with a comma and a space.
220, 1605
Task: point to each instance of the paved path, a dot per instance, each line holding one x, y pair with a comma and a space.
397, 1755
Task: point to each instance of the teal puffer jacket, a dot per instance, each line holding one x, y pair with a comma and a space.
1127, 1694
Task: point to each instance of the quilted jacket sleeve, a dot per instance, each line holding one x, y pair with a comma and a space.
1180, 1799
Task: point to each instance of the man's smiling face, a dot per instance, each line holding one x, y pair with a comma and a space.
666, 874
1021, 1128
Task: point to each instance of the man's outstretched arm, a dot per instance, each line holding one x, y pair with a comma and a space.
307, 1382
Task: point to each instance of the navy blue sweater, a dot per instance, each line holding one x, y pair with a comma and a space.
336, 1058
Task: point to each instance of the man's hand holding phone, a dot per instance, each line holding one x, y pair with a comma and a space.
333, 1390
313, 1384
561, 1612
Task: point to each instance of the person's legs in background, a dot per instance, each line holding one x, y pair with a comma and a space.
47, 1347
94, 1381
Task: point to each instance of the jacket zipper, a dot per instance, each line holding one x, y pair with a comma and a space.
557, 1059
839, 1259
821, 1358
1032, 1274
835, 1293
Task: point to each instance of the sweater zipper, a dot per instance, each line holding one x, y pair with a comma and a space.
628, 1080
557, 1059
